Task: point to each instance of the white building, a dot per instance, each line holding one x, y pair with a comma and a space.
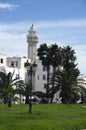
17, 64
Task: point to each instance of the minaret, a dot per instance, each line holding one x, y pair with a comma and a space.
32, 39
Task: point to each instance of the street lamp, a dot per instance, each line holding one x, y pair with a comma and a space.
31, 68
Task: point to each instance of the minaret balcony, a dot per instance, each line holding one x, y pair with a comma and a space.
32, 40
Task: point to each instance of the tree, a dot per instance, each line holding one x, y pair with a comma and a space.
25, 90
68, 56
56, 58
67, 82
6, 83
43, 53
65, 71
67, 77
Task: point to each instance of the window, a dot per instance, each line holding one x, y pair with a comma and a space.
44, 77
38, 77
16, 63
45, 86
12, 64
1, 60
44, 68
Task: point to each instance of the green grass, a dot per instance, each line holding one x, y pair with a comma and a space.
43, 117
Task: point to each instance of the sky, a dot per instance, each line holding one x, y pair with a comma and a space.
56, 21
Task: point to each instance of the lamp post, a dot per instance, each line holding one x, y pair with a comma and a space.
31, 68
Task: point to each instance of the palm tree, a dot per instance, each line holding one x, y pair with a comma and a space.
25, 90
68, 56
67, 83
56, 58
44, 56
6, 83
67, 78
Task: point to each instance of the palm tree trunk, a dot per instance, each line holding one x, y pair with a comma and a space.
53, 82
5, 100
27, 100
47, 88
65, 97
20, 98
9, 101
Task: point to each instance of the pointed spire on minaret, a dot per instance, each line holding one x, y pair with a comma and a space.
32, 27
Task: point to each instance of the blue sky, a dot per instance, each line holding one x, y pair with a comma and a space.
57, 21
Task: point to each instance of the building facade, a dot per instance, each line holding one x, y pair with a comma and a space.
17, 64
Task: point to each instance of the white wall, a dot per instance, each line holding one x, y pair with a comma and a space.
39, 82
2, 60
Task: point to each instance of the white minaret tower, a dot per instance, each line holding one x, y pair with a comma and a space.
32, 39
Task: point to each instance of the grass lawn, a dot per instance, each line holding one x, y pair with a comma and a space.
44, 117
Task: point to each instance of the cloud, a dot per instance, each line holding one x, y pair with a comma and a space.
13, 44
17, 26
67, 31
62, 23
7, 6
73, 23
